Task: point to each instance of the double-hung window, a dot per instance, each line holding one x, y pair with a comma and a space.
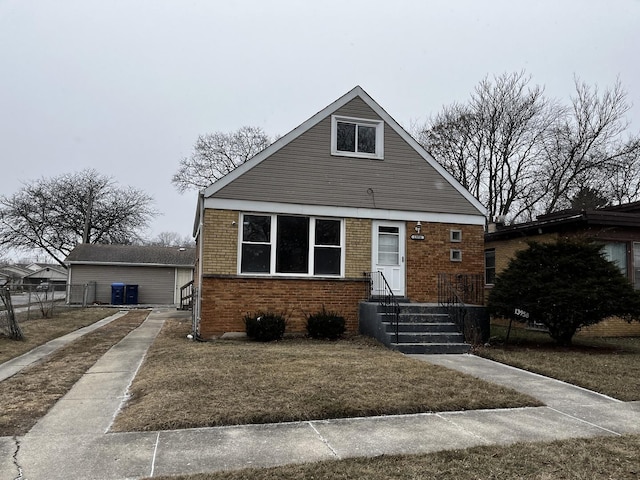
490, 266
291, 245
357, 137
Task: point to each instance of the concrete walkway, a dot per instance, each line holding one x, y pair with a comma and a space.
13, 366
71, 440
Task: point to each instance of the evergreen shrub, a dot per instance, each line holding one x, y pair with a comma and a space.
265, 327
325, 324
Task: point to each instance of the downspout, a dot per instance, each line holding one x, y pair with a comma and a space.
196, 327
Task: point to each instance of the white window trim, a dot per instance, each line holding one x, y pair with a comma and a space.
273, 243
455, 255
455, 236
378, 124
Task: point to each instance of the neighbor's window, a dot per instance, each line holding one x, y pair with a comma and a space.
616, 252
490, 266
354, 137
636, 265
294, 245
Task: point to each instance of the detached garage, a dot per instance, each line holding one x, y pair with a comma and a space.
158, 272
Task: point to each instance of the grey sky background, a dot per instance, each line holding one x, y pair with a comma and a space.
126, 87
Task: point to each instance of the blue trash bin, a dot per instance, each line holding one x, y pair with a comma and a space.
117, 293
131, 294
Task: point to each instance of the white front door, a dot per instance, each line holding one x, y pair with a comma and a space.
388, 255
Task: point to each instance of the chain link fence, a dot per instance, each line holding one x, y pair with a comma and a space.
41, 301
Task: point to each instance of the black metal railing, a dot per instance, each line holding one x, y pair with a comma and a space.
380, 291
186, 296
456, 292
466, 288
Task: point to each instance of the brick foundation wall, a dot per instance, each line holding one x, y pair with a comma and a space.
612, 327
227, 299
426, 258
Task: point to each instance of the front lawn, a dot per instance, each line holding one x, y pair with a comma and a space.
185, 384
29, 394
607, 365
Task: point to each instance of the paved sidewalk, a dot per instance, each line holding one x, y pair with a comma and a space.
13, 366
70, 441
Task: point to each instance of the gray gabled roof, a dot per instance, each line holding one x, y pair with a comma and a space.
471, 205
132, 255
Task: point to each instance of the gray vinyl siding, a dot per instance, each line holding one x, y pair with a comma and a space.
156, 285
305, 172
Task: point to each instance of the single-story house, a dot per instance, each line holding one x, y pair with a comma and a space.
52, 275
617, 228
346, 192
14, 274
29, 276
159, 272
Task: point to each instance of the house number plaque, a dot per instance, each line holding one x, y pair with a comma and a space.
417, 237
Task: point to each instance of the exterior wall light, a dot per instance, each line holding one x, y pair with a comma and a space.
418, 227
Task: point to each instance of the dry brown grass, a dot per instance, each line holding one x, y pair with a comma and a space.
238, 382
28, 395
585, 459
607, 365
40, 330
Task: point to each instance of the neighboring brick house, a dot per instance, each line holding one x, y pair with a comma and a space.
616, 228
295, 228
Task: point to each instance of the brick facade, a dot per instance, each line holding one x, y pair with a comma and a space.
426, 258
357, 247
227, 296
226, 300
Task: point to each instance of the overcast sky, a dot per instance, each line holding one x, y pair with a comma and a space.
126, 87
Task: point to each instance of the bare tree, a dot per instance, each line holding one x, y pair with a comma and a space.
589, 148
522, 154
492, 144
57, 213
216, 154
172, 239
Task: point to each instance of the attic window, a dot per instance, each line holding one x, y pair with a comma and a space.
357, 137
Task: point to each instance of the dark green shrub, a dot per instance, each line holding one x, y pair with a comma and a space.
265, 327
325, 325
565, 286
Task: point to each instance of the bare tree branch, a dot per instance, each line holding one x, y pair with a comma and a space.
54, 215
522, 154
217, 154
491, 145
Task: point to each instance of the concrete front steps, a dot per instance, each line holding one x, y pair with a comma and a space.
422, 328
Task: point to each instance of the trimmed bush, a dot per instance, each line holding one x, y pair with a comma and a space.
265, 327
325, 325
564, 285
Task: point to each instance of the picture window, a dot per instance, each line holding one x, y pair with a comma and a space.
291, 245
